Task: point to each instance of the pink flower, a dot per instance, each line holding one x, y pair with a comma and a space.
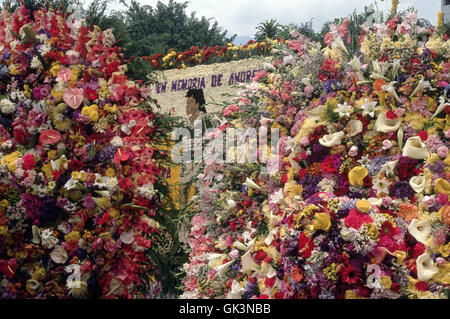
353, 151
442, 151
230, 109
387, 144
428, 201
309, 89
64, 75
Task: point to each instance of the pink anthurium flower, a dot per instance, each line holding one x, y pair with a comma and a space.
64, 75
73, 97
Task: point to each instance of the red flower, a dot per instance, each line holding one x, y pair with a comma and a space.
269, 282
418, 250
327, 165
423, 135
305, 246
91, 94
391, 115
350, 275
28, 162
76, 165
355, 219
421, 286
260, 255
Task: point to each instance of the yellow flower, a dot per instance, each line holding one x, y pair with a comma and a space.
363, 205
3, 230
386, 282
442, 187
47, 170
400, 255
322, 221
8, 160
55, 69
356, 176
350, 294
110, 172
75, 235
91, 112
440, 20
444, 250
293, 189
110, 109
114, 213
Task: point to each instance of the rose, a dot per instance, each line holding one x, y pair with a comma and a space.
387, 144
445, 213
230, 109
353, 151
428, 201
442, 151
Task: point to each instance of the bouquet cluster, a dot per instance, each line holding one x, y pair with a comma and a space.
208, 55
355, 204
79, 177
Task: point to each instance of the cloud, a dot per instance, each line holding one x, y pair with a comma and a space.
242, 16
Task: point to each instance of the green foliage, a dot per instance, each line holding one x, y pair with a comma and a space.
269, 29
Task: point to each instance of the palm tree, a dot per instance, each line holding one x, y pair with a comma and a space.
268, 29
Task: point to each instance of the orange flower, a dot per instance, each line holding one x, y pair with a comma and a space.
378, 84
408, 212
297, 274
445, 212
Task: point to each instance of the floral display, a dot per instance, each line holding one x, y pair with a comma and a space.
209, 55
80, 189
355, 204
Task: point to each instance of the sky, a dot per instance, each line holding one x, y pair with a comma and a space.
242, 16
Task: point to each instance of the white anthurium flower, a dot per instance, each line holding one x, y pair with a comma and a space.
236, 290
369, 107
355, 127
375, 201
127, 237
418, 183
248, 265
420, 230
415, 148
420, 86
425, 267
251, 184
332, 139
59, 255
36, 235
344, 109
278, 197
390, 88
385, 125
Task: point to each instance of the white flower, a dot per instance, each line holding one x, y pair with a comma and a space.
277, 197
35, 63
251, 184
111, 183
147, 191
389, 167
425, 267
369, 107
390, 88
420, 230
127, 237
381, 185
364, 161
6, 106
117, 141
331, 140
420, 86
59, 255
344, 109
48, 240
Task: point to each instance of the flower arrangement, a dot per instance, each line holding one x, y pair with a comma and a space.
356, 202
208, 55
80, 189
